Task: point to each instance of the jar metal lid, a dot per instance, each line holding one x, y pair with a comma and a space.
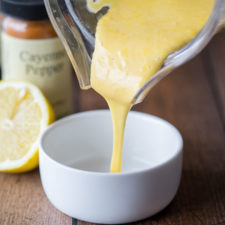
24, 9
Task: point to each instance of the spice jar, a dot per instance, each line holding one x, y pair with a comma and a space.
31, 51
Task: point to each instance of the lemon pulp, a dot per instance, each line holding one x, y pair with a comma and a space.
24, 114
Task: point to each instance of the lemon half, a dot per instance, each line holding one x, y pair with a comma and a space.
24, 115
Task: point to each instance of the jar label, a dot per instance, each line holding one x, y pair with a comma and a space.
42, 62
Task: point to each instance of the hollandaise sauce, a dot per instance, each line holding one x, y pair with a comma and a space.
132, 41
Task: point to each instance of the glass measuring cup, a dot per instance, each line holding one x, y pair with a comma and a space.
76, 26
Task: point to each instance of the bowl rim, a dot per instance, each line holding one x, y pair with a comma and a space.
106, 111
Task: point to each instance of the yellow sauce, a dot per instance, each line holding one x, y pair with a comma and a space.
132, 41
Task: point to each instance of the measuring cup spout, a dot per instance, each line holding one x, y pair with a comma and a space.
76, 27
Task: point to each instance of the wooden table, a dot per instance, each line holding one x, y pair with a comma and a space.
193, 99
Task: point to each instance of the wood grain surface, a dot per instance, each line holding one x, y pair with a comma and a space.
193, 99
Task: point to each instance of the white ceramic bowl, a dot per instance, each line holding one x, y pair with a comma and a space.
75, 157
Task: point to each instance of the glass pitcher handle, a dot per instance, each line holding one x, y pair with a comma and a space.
71, 38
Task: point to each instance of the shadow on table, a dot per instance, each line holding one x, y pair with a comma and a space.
199, 201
